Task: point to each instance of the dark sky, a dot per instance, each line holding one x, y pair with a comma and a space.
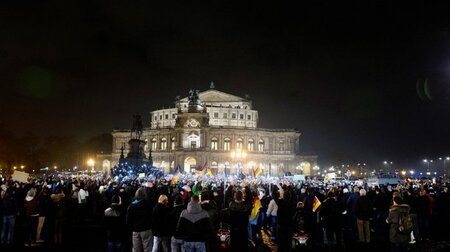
361, 82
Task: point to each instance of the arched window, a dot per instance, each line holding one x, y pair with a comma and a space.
281, 145
213, 164
146, 145
261, 145
173, 143
226, 144
239, 144
163, 143
250, 145
214, 143
154, 144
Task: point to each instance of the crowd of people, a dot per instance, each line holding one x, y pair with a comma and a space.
187, 215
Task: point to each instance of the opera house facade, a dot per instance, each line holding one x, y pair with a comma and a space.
219, 130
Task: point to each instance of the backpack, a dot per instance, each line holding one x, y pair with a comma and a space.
405, 224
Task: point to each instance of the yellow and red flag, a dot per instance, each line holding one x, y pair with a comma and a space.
175, 178
316, 204
210, 172
202, 171
257, 172
255, 210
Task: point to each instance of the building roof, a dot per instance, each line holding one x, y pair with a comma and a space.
213, 95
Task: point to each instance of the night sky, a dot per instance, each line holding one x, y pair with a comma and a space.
362, 82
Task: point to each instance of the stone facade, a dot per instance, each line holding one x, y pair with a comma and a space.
208, 128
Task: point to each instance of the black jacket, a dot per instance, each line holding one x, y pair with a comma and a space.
139, 215
363, 208
239, 214
194, 224
114, 222
174, 216
285, 215
213, 213
160, 216
330, 214
9, 206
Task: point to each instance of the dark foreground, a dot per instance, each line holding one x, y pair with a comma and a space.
92, 237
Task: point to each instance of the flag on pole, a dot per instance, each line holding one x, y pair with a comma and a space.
325, 180
175, 178
210, 172
316, 204
255, 210
257, 172
202, 171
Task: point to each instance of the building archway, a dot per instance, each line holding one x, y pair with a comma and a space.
189, 163
106, 166
306, 167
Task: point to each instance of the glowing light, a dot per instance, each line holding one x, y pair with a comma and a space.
90, 162
411, 172
403, 173
238, 154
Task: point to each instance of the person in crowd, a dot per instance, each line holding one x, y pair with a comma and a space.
398, 240
58, 199
31, 206
83, 195
285, 213
161, 231
272, 213
74, 211
209, 205
139, 218
9, 210
424, 213
310, 215
194, 227
239, 210
381, 206
329, 213
363, 213
265, 200
115, 225
44, 197
174, 216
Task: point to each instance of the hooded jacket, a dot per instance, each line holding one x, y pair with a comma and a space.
393, 219
194, 224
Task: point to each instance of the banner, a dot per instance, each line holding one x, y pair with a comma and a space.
20, 176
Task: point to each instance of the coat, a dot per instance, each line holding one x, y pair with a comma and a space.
160, 217
364, 208
393, 220
194, 224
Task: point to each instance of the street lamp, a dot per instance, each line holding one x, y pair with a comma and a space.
426, 161
388, 164
445, 160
